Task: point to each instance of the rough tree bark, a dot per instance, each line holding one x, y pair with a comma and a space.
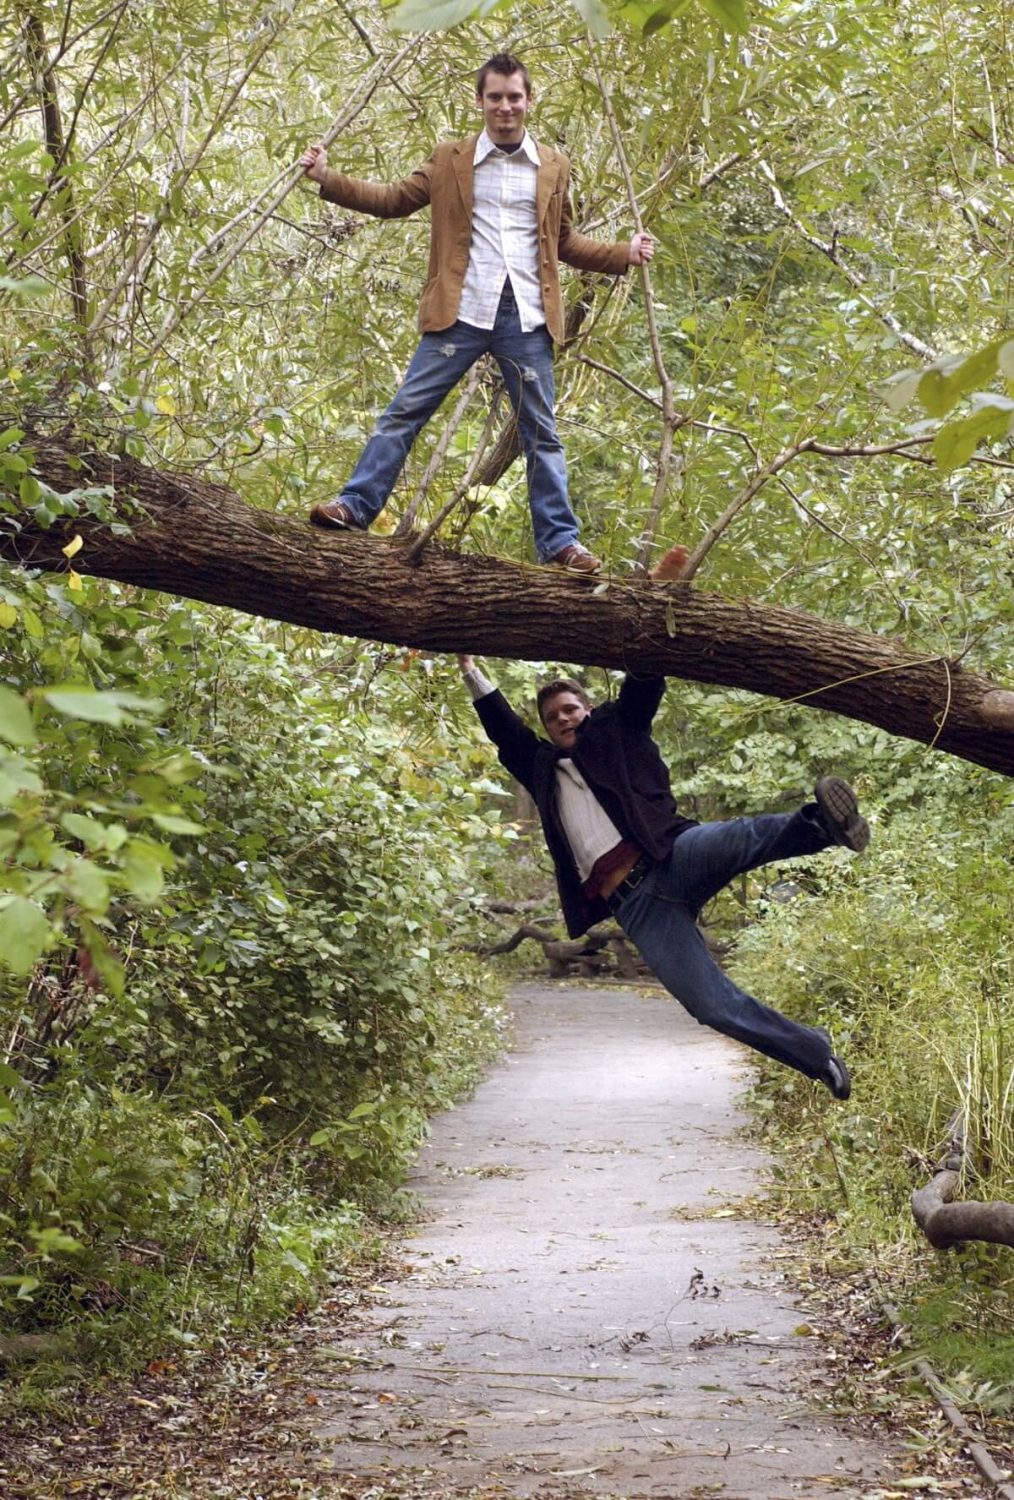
202, 541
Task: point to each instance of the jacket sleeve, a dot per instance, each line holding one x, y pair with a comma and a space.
638, 700
516, 744
384, 200
583, 252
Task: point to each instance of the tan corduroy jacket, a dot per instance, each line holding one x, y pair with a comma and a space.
445, 182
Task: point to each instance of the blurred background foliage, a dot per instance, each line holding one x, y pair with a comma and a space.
242, 865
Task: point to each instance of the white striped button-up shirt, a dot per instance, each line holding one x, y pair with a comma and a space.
505, 235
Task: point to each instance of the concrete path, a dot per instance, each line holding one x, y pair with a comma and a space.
586, 1310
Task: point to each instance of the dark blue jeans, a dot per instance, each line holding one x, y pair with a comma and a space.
660, 918
526, 363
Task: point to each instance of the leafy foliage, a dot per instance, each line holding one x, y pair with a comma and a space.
229, 1051
906, 956
945, 382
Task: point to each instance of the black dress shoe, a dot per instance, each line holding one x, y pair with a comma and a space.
837, 1078
839, 813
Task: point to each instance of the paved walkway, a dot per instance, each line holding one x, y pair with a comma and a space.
586, 1310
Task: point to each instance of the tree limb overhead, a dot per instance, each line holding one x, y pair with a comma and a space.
202, 541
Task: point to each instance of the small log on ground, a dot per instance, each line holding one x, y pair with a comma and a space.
946, 1223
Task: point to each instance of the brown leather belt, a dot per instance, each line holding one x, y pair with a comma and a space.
630, 882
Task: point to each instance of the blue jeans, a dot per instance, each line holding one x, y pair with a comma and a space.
660, 918
526, 363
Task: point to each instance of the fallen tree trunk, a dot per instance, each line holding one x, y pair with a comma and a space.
587, 955
202, 541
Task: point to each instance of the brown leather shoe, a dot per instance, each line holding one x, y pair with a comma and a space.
333, 513
576, 559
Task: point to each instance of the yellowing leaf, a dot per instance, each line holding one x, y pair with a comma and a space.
74, 546
74, 581
14, 376
166, 404
8, 615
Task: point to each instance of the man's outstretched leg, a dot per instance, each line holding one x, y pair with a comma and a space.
660, 914
667, 937
706, 858
436, 367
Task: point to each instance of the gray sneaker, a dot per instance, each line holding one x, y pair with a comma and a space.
839, 813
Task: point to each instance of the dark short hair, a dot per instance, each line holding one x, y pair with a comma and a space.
505, 63
554, 689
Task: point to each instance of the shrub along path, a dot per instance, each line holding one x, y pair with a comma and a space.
592, 1308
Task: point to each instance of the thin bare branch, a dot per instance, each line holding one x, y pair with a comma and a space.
56, 145
287, 180
415, 551
596, 364
440, 450
670, 419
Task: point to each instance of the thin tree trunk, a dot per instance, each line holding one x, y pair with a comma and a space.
56, 145
202, 541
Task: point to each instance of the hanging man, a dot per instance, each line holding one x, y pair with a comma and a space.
501, 220
621, 848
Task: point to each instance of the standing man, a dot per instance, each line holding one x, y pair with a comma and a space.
501, 221
620, 847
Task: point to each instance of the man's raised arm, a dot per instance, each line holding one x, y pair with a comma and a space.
516, 744
384, 200
639, 697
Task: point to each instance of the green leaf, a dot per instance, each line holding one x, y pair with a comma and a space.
26, 1285
90, 832
169, 823
362, 1110
730, 14
902, 388
23, 286
662, 15
438, 15
594, 15
97, 707
945, 381
16, 776
955, 443
142, 871
16, 725
87, 885
24, 934
85, 703
52, 1239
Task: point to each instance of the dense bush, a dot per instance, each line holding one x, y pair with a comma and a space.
241, 1015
